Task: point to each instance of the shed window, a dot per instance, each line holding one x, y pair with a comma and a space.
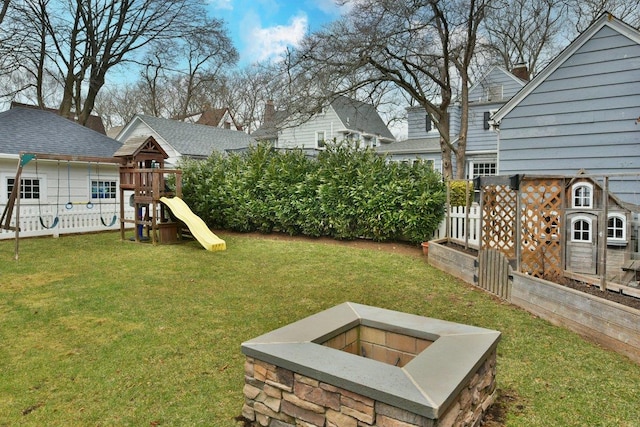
616, 228
29, 188
103, 189
581, 230
583, 195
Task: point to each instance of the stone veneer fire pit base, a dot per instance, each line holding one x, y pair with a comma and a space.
297, 376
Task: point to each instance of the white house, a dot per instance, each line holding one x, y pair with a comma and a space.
58, 196
345, 119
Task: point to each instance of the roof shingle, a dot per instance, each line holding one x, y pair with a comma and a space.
39, 131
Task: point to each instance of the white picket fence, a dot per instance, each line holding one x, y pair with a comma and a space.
79, 219
458, 230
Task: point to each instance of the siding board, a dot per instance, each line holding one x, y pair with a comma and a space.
584, 115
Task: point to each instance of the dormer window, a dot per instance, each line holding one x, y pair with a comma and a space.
582, 195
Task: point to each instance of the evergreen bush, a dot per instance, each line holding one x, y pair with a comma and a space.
345, 193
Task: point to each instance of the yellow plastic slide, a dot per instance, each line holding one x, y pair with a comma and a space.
198, 228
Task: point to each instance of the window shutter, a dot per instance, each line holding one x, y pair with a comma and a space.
428, 123
487, 116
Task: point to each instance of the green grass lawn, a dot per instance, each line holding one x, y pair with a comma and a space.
98, 332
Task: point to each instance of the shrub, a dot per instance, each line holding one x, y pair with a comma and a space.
345, 193
457, 192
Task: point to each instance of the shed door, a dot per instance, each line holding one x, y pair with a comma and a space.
582, 243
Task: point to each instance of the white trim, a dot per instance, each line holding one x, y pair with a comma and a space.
577, 186
622, 218
589, 221
43, 196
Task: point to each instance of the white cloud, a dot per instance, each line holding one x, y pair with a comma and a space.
221, 4
267, 43
330, 7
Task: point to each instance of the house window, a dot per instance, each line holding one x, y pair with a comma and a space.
320, 139
103, 189
581, 230
428, 124
616, 228
477, 169
583, 195
494, 93
29, 188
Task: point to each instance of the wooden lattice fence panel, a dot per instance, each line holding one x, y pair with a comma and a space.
499, 219
541, 227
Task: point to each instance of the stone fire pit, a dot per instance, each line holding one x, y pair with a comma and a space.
356, 365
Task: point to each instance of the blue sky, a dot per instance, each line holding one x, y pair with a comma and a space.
261, 29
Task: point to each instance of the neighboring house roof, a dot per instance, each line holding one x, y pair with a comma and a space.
214, 117
269, 129
193, 140
39, 131
411, 146
210, 117
361, 117
93, 122
605, 19
114, 131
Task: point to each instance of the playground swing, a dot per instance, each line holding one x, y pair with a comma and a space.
101, 192
56, 219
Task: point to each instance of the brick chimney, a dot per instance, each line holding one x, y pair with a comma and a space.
269, 112
521, 71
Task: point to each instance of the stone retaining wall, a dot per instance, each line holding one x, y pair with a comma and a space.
278, 397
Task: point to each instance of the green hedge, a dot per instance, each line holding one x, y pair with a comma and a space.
345, 193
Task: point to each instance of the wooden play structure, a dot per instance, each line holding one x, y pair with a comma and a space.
159, 209
142, 172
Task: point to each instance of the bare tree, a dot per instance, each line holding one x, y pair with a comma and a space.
86, 39
583, 12
3, 9
424, 48
523, 32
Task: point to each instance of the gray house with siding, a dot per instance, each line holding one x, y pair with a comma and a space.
581, 112
486, 96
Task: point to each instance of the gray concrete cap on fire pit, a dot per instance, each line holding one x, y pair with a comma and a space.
425, 386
